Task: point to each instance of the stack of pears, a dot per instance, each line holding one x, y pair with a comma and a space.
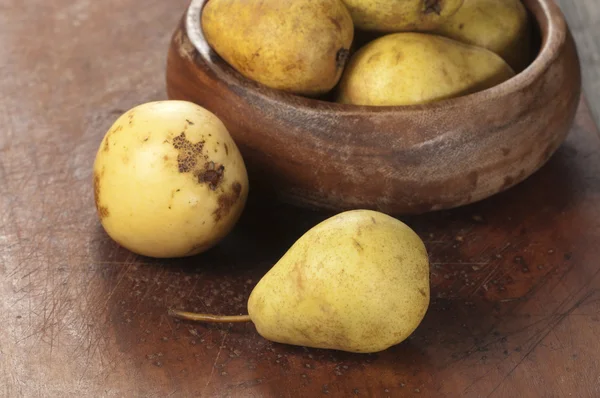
417, 52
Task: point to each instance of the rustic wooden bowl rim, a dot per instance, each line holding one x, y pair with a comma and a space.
552, 40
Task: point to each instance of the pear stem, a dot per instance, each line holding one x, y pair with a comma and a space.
192, 316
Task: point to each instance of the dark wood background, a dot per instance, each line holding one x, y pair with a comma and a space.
516, 278
584, 19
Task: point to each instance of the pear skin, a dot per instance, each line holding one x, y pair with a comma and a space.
357, 282
418, 68
500, 26
401, 15
298, 46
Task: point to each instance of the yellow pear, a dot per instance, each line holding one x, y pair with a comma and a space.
500, 26
418, 68
169, 181
400, 15
356, 282
299, 46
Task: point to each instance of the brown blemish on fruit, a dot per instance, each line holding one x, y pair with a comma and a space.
422, 291
189, 122
336, 23
341, 57
304, 333
187, 159
102, 210
212, 174
116, 129
446, 73
374, 57
432, 6
109, 134
248, 63
130, 116
357, 245
373, 219
165, 158
227, 200
125, 159
226, 149
96, 189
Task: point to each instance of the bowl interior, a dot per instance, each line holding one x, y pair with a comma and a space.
548, 31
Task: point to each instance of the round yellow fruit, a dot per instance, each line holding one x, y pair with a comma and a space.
500, 26
418, 68
169, 181
400, 16
298, 46
356, 282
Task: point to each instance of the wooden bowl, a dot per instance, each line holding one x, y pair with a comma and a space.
399, 160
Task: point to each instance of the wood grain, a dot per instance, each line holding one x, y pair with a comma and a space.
584, 19
400, 160
516, 278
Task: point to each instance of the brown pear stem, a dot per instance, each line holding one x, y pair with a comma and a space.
192, 316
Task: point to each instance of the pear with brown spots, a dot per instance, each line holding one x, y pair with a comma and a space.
298, 46
169, 181
356, 282
500, 26
418, 68
401, 15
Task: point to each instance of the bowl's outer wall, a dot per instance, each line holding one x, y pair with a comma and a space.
403, 161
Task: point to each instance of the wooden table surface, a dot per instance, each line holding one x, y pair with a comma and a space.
515, 279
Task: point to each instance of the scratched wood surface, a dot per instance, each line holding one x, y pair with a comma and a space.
516, 278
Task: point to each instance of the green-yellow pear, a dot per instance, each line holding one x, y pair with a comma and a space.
400, 15
356, 282
500, 26
299, 46
418, 68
